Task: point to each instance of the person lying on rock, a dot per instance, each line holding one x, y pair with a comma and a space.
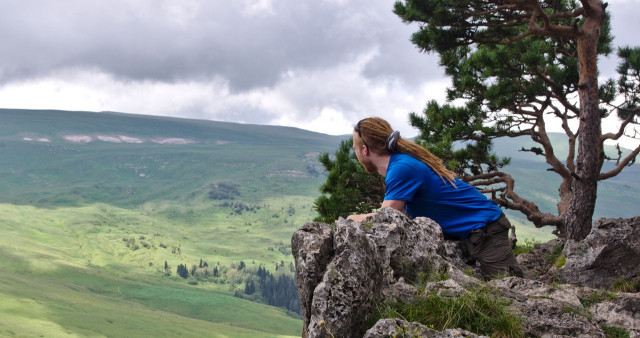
418, 182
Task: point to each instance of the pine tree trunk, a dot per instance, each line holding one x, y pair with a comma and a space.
579, 213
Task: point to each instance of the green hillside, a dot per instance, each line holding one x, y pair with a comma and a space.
46, 159
98, 211
94, 204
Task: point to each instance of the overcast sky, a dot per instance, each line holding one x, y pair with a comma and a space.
319, 65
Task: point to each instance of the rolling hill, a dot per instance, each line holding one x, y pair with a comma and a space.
95, 204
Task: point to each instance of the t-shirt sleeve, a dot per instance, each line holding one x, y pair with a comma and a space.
402, 183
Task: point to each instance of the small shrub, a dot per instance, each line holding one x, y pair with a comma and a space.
367, 224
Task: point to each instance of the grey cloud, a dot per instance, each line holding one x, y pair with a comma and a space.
624, 27
173, 40
160, 40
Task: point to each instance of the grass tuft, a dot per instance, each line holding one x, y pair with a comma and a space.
556, 257
560, 261
623, 285
479, 311
614, 332
597, 297
525, 247
577, 312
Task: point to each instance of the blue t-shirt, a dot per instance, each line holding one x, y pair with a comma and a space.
458, 209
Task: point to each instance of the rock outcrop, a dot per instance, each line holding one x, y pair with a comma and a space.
610, 252
344, 274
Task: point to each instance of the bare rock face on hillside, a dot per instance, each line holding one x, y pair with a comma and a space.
312, 247
342, 275
610, 252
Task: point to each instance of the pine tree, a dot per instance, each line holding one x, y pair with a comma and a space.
348, 189
250, 288
514, 63
182, 271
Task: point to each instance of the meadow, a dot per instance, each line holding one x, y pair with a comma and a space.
67, 271
70, 211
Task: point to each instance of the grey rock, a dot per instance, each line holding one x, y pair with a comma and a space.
548, 311
312, 248
446, 288
548, 318
609, 252
407, 246
350, 287
386, 328
538, 263
400, 291
342, 276
622, 310
566, 294
455, 254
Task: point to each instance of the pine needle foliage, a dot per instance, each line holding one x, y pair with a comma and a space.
348, 188
513, 65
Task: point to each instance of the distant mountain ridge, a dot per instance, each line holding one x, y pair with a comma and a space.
108, 146
65, 157
55, 124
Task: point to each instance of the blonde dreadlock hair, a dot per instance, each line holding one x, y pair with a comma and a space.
376, 134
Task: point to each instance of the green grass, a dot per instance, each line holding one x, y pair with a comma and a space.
577, 312
556, 257
615, 332
479, 311
73, 263
524, 247
623, 285
76, 302
596, 297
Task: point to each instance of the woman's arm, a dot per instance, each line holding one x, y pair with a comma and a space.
395, 204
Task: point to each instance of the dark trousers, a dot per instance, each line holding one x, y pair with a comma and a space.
491, 247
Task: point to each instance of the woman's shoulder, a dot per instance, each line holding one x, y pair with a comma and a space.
407, 164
